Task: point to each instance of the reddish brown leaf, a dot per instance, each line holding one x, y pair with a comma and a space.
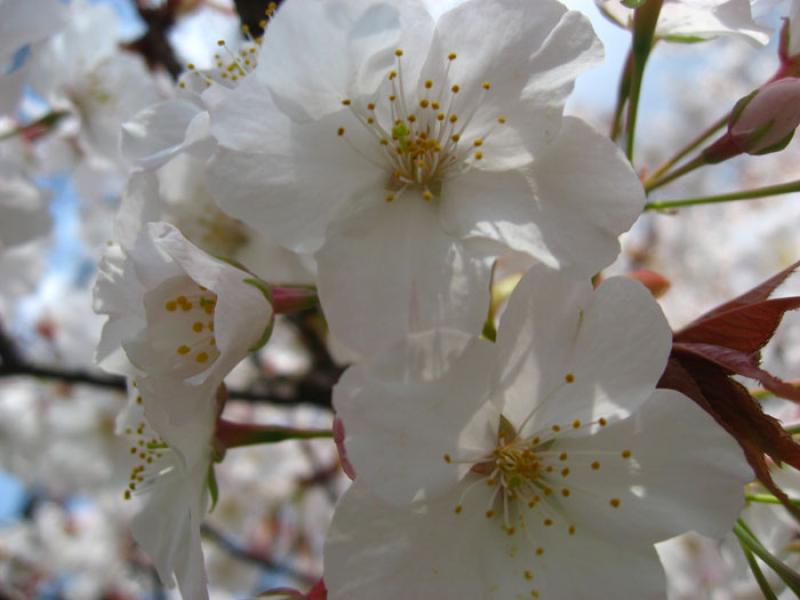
746, 328
734, 408
758, 294
731, 405
740, 363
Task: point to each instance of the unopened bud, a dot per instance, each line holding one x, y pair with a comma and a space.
655, 282
762, 122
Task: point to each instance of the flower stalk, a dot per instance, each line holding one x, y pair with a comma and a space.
763, 192
235, 435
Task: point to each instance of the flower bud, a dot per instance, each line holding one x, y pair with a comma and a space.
766, 121
761, 123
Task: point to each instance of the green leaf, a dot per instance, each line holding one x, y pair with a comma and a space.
505, 430
213, 488
267, 333
633, 3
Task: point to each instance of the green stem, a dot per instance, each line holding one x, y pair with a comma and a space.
770, 190
767, 499
236, 435
748, 540
623, 92
38, 126
688, 167
758, 574
644, 27
662, 170
793, 430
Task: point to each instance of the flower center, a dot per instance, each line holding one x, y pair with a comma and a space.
181, 328
420, 133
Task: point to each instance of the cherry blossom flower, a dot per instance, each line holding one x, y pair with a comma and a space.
408, 151
184, 320
696, 20
172, 471
545, 466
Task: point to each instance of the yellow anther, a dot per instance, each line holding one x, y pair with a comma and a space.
486, 85
171, 306
426, 195
602, 421
626, 454
614, 502
565, 492
428, 84
477, 142
183, 349
563, 456
340, 131
571, 530
501, 119
423, 103
569, 377
489, 514
455, 89
370, 120
435, 105
455, 137
371, 106
453, 118
595, 465
384, 142
245, 28
548, 522
528, 575
190, 66
220, 42
447, 458
392, 75
564, 472
127, 495
197, 327
451, 56
398, 52
389, 197
576, 424
440, 116
412, 118
478, 155
458, 509
539, 551
346, 102
201, 357
392, 98
556, 428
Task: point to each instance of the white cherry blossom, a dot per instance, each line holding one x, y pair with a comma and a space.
695, 20
409, 151
546, 466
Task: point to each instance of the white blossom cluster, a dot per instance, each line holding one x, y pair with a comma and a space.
381, 207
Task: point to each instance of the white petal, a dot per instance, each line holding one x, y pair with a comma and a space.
685, 473
529, 52
332, 50
168, 529
159, 132
613, 343
587, 195
374, 550
389, 270
408, 408
284, 179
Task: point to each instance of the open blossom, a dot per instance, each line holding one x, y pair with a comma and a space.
546, 466
694, 20
407, 151
171, 472
183, 320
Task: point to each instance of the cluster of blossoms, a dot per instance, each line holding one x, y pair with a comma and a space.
514, 424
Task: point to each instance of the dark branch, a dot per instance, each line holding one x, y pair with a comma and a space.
255, 558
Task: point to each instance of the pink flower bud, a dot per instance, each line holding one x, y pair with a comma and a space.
766, 121
338, 437
655, 282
